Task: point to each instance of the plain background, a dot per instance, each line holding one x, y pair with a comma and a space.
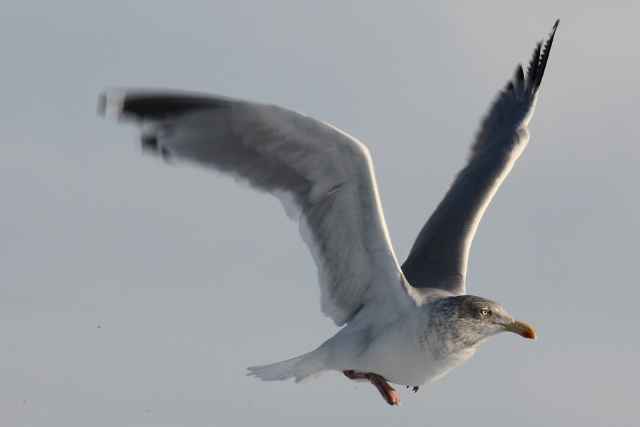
134, 293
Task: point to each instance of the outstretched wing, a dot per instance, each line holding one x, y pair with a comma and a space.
439, 255
323, 176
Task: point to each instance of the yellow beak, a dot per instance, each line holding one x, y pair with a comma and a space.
521, 328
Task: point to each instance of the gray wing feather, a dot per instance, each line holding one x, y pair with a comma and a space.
439, 256
324, 177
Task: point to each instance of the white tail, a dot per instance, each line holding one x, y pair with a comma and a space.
299, 368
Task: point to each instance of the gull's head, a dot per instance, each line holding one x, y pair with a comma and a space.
467, 320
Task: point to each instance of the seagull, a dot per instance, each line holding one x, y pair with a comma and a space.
405, 325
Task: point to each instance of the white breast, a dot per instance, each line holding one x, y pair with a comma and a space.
402, 356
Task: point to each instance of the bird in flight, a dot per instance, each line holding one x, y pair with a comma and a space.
405, 325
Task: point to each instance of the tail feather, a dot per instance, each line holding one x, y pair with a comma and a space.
298, 368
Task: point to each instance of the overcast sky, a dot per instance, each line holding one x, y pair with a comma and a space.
134, 293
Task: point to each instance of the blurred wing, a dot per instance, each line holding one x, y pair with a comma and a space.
324, 177
439, 255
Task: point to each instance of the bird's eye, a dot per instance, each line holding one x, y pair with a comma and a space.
485, 312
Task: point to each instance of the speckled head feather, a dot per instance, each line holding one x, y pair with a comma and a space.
462, 322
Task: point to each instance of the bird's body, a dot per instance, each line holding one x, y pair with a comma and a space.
402, 351
414, 347
408, 324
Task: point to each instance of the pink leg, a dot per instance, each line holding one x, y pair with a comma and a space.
389, 394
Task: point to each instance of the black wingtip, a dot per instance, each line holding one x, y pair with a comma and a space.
534, 64
150, 104
552, 34
538, 63
545, 52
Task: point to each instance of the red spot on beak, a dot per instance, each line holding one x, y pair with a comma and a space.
523, 329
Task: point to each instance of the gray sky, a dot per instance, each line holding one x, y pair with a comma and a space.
135, 294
